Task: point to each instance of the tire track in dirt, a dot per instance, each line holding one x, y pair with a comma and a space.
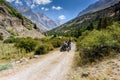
53, 67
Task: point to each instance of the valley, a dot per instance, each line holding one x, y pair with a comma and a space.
35, 44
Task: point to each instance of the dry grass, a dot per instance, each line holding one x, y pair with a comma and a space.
8, 52
107, 69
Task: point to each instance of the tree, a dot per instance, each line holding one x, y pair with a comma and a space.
99, 24
1, 37
90, 27
105, 23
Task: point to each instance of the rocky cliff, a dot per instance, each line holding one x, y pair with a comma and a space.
43, 22
13, 23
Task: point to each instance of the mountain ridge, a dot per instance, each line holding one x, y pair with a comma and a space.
41, 20
99, 5
78, 25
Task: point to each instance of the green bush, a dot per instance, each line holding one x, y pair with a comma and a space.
12, 32
29, 27
115, 31
40, 50
28, 44
10, 40
56, 42
49, 46
1, 37
96, 45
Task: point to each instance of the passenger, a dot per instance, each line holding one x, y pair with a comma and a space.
69, 45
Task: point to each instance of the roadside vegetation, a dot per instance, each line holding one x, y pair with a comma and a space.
5, 66
97, 44
1, 37
16, 48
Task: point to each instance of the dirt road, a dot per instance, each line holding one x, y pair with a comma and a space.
54, 66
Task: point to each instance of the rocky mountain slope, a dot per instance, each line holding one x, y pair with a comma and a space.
13, 23
43, 22
99, 5
80, 23
26, 7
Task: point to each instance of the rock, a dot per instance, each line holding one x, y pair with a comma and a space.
23, 59
35, 56
17, 62
13, 62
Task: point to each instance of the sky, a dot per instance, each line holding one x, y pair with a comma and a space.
63, 10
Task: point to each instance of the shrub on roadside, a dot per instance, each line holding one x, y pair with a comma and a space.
28, 44
49, 46
43, 49
40, 50
115, 31
56, 42
96, 45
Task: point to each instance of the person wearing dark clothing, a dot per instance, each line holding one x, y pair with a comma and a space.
64, 46
69, 45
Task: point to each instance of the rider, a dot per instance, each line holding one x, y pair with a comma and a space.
64, 46
69, 44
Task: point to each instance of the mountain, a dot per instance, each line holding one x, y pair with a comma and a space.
99, 5
41, 20
12, 23
89, 21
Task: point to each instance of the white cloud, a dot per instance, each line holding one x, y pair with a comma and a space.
62, 17
42, 8
45, 9
44, 2
29, 3
32, 6
10, 0
18, 2
56, 8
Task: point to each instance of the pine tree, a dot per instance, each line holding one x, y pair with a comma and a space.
90, 27
99, 24
105, 23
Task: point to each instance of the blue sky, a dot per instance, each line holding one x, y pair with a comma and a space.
69, 8
63, 10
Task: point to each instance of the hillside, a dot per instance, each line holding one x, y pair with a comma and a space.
99, 5
78, 25
43, 22
12, 23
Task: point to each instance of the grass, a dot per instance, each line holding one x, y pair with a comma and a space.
5, 66
1, 37
9, 51
16, 48
29, 27
12, 32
